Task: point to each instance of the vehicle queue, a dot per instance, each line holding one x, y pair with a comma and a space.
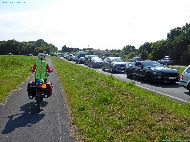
146, 70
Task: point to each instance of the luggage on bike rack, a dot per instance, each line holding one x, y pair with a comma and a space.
31, 88
48, 91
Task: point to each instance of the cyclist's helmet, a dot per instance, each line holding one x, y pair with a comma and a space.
41, 56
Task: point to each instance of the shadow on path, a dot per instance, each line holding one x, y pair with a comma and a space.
26, 118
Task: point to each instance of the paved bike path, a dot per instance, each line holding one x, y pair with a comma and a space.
20, 122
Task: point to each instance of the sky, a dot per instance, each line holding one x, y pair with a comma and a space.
98, 24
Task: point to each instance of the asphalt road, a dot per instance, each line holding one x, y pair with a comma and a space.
20, 122
174, 91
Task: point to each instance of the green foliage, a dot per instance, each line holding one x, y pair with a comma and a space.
23, 48
13, 70
106, 109
179, 68
145, 50
128, 52
69, 50
176, 46
128, 49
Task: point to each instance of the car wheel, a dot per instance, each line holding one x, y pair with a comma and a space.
188, 87
149, 77
103, 69
111, 70
129, 75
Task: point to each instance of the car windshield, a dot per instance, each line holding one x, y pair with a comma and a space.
82, 55
97, 59
117, 59
152, 64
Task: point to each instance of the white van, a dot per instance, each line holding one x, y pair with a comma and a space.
185, 78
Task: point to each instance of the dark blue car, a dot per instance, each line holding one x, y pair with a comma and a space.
152, 71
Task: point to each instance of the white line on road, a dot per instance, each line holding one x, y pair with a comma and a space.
161, 93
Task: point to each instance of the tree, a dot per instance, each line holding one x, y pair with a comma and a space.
128, 49
22, 48
145, 50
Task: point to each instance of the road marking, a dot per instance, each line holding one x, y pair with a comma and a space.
161, 93
152, 90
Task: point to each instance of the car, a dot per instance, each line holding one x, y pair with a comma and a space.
185, 78
73, 58
166, 61
60, 55
69, 57
65, 56
114, 64
79, 57
96, 62
87, 59
134, 59
152, 71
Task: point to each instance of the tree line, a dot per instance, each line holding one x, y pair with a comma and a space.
176, 45
26, 48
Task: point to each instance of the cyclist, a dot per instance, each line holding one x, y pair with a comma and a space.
41, 68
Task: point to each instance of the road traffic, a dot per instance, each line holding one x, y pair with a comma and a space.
174, 91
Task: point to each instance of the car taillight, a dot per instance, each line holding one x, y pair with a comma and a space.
181, 77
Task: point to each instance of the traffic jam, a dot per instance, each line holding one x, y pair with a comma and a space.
157, 76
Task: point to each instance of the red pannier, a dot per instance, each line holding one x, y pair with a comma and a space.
48, 90
31, 88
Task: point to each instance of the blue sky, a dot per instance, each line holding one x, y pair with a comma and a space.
102, 24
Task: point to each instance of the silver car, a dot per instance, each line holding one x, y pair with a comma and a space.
114, 64
96, 62
185, 78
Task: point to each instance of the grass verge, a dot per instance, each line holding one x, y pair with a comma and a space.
179, 68
106, 109
13, 70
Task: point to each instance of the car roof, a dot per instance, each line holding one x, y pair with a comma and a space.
146, 61
136, 57
113, 57
96, 57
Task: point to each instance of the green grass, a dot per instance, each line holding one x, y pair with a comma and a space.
106, 109
13, 70
179, 68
